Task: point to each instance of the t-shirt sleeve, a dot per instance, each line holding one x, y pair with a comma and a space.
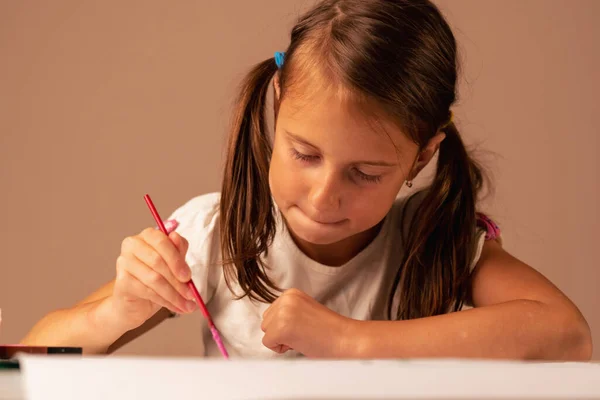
198, 221
486, 230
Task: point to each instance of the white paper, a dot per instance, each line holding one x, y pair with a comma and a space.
66, 377
10, 385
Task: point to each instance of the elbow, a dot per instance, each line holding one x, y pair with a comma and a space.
576, 343
583, 347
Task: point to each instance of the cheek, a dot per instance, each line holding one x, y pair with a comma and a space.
285, 179
372, 205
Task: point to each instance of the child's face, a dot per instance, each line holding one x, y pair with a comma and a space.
334, 173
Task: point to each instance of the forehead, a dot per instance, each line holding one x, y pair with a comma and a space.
335, 120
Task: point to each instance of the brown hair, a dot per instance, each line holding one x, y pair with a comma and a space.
401, 56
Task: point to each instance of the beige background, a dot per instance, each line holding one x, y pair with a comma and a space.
102, 102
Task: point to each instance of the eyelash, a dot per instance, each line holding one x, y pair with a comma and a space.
368, 178
361, 175
302, 157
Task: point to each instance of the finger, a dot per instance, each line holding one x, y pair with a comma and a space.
136, 288
282, 348
138, 248
180, 242
158, 283
267, 316
169, 252
289, 295
130, 285
270, 341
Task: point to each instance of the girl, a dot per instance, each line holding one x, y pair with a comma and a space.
307, 249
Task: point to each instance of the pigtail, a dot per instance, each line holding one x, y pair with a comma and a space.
246, 208
434, 277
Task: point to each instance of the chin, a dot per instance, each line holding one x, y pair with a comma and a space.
317, 233
318, 238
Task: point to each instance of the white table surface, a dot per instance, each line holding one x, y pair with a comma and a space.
148, 378
10, 385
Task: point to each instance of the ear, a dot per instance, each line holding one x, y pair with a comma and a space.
427, 153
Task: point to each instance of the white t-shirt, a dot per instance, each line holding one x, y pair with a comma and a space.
358, 289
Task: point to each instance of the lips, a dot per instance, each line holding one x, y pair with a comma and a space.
325, 222
321, 220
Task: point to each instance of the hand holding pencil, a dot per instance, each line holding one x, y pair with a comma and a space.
151, 273
213, 329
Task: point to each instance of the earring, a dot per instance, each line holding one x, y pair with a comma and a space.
409, 184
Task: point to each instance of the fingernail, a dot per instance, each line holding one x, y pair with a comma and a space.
190, 305
190, 294
171, 225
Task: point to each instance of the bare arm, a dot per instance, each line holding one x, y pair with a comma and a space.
518, 314
151, 275
103, 292
90, 324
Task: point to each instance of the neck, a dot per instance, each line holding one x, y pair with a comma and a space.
338, 253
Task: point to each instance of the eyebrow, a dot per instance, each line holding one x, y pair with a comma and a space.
298, 139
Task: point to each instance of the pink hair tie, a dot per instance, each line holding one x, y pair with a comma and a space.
492, 230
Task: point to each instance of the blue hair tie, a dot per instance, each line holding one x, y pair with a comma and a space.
279, 59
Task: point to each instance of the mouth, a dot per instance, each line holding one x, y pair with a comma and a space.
328, 222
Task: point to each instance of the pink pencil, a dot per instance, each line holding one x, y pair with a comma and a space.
213, 328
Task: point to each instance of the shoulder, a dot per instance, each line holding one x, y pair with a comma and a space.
198, 223
198, 211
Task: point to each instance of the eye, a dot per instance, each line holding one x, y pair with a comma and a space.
367, 178
303, 157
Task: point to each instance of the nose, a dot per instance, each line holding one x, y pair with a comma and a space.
326, 193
